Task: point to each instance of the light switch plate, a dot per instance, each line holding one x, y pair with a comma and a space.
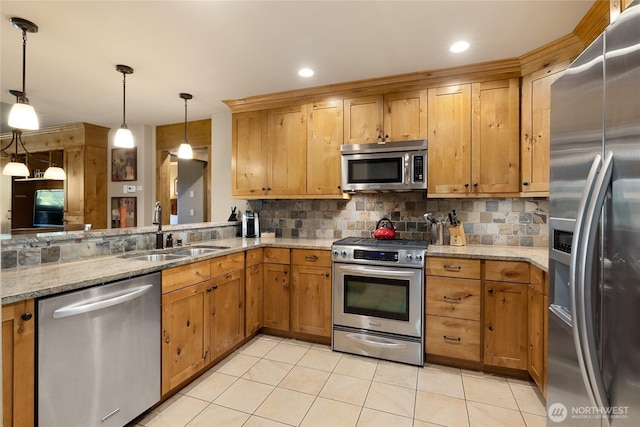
131, 189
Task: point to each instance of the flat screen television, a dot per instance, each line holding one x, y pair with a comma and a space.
48, 208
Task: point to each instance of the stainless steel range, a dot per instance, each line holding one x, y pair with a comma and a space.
378, 298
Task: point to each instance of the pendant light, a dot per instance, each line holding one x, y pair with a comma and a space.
124, 137
23, 115
185, 151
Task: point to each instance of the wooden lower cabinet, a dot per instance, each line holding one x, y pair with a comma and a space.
227, 312
535, 334
276, 289
311, 292
185, 338
253, 288
505, 324
453, 296
18, 363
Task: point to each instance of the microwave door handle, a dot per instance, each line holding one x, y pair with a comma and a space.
407, 169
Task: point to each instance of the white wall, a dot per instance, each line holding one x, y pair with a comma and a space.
221, 201
144, 137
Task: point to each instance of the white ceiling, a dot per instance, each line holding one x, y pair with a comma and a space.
220, 50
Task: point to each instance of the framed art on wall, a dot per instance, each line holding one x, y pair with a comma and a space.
123, 212
124, 164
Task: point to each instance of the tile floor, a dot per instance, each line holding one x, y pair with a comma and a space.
272, 381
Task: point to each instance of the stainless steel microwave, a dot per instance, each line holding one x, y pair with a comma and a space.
385, 166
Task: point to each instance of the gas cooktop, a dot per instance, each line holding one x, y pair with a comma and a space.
382, 243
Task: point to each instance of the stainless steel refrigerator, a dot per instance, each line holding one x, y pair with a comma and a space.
593, 375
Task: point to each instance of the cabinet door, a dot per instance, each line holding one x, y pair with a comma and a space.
253, 299
185, 334
536, 114
286, 150
495, 160
405, 115
324, 138
311, 300
449, 124
275, 305
535, 334
248, 159
505, 324
363, 119
74, 185
227, 312
18, 363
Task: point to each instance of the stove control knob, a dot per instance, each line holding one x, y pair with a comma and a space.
418, 257
336, 253
409, 257
344, 254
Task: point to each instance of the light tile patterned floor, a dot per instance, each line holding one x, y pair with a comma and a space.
272, 381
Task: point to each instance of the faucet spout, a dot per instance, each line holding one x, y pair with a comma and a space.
157, 219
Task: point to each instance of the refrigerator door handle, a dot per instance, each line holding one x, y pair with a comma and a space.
587, 254
575, 266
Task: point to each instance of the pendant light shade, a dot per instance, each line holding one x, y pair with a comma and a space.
124, 137
54, 172
23, 115
16, 169
185, 151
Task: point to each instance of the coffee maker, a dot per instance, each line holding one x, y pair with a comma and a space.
250, 225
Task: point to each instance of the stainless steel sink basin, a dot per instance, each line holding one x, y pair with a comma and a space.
195, 251
156, 257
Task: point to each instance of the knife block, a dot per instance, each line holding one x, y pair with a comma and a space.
457, 236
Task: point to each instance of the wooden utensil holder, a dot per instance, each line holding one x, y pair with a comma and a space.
457, 236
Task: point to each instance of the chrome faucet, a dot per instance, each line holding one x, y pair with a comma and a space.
157, 219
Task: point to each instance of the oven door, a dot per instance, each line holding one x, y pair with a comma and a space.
382, 299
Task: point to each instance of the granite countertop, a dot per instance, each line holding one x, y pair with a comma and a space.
50, 279
535, 256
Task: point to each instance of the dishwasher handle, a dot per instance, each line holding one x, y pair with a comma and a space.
74, 309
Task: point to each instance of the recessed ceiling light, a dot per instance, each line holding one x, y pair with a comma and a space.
460, 46
305, 72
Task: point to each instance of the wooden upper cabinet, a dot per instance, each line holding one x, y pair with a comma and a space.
324, 138
248, 159
363, 119
495, 152
535, 129
405, 115
473, 139
287, 150
398, 116
449, 135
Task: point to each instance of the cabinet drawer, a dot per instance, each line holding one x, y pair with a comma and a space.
507, 271
179, 277
311, 257
451, 337
276, 256
459, 298
453, 267
253, 257
227, 263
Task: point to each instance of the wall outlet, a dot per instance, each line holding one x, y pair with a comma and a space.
191, 212
125, 189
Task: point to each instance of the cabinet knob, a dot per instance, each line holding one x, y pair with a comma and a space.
208, 289
215, 286
490, 328
27, 316
286, 272
525, 183
475, 184
466, 185
326, 274
490, 291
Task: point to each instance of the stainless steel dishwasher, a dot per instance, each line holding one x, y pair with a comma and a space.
99, 354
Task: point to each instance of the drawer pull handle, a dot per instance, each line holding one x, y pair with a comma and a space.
452, 299
448, 338
452, 267
311, 258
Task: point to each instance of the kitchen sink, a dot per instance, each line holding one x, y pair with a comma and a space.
156, 257
198, 251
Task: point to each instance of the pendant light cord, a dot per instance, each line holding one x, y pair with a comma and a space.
23, 97
124, 99
185, 120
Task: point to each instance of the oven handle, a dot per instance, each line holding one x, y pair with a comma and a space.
374, 343
378, 272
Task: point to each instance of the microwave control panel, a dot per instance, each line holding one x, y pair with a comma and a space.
418, 168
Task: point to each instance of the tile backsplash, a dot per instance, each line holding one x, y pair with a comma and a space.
506, 222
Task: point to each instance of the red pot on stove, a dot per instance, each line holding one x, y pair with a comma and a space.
385, 230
